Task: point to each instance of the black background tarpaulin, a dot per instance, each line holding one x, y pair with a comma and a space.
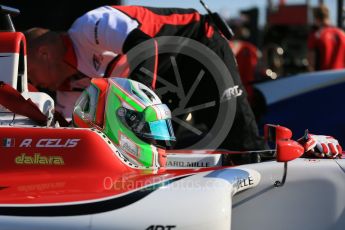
55, 15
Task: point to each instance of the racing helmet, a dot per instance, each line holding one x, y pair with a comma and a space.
131, 115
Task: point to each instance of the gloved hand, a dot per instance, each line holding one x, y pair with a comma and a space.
320, 146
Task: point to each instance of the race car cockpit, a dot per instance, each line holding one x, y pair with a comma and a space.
13, 66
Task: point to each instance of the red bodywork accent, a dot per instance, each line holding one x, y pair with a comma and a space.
283, 133
102, 85
16, 103
280, 132
32, 88
91, 169
162, 157
10, 42
288, 150
79, 122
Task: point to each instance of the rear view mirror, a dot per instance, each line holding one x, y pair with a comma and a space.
286, 149
274, 133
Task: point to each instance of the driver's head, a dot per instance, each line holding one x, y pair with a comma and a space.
131, 115
45, 52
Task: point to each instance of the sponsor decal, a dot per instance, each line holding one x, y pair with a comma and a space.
129, 146
161, 227
41, 187
50, 143
242, 183
97, 61
192, 164
37, 159
230, 93
312, 160
8, 142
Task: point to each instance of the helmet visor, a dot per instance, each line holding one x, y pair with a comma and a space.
159, 130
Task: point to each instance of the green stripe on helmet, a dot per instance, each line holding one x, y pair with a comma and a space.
150, 114
126, 98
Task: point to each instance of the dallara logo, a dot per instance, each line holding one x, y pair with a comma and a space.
37, 159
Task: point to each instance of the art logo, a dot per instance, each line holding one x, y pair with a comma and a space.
37, 159
8, 142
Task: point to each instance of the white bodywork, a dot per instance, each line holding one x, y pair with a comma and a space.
197, 202
9, 70
235, 198
10, 74
312, 198
189, 160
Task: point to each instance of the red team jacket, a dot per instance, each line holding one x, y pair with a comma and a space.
329, 45
247, 58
